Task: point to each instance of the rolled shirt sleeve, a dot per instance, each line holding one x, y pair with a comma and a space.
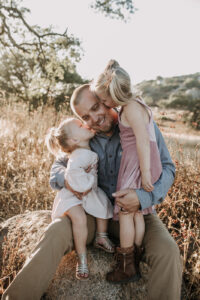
166, 179
57, 173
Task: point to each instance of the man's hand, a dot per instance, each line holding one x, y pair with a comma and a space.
128, 200
77, 194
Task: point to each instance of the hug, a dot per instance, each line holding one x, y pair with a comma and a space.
112, 167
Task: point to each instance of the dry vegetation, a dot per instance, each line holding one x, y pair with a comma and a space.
24, 176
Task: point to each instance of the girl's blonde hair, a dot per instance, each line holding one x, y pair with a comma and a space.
115, 82
57, 139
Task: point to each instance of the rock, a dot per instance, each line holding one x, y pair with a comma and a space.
22, 233
65, 286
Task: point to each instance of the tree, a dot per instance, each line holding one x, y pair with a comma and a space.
120, 9
37, 64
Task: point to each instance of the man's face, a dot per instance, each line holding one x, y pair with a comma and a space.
96, 115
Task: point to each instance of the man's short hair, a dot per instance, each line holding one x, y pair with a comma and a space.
77, 95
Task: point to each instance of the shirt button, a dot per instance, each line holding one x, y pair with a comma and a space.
110, 156
112, 184
111, 172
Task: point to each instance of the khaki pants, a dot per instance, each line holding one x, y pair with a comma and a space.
161, 254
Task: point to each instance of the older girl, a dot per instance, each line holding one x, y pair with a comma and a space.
140, 164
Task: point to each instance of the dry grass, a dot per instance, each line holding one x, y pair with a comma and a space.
180, 212
24, 160
11, 262
24, 182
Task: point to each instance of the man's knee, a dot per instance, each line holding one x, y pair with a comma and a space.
167, 251
60, 226
59, 232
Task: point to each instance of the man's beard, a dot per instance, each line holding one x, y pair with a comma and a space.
108, 129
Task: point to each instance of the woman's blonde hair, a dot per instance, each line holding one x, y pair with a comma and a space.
115, 82
57, 139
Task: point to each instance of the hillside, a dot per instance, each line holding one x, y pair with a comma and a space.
177, 92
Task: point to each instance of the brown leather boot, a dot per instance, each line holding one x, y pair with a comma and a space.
138, 250
124, 270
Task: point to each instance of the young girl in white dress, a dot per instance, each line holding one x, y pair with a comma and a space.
72, 137
140, 165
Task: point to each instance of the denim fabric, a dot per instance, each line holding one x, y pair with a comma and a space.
109, 151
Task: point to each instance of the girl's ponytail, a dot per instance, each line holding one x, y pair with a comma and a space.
51, 141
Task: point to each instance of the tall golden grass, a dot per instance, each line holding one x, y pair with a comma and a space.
24, 183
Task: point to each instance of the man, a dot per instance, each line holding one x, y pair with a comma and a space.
161, 251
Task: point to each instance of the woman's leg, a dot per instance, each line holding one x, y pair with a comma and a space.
139, 228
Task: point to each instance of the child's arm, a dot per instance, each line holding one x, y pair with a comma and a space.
137, 118
76, 174
78, 180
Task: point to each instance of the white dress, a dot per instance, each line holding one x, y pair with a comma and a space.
95, 203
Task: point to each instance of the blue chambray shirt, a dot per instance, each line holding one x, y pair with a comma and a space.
109, 151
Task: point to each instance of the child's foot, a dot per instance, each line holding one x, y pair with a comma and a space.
103, 242
124, 270
82, 272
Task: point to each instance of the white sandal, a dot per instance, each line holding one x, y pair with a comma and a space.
106, 245
82, 267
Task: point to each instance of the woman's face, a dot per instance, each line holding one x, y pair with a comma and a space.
106, 99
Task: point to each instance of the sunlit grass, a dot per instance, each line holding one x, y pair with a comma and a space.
24, 180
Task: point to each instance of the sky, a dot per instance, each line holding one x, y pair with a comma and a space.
161, 39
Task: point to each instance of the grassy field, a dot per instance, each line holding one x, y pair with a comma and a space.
25, 165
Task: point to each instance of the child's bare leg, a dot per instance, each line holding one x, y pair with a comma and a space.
125, 269
139, 228
79, 227
102, 225
80, 232
127, 230
102, 241
139, 235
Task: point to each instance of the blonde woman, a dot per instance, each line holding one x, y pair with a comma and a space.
140, 164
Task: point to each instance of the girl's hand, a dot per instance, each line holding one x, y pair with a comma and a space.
88, 169
146, 181
77, 194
